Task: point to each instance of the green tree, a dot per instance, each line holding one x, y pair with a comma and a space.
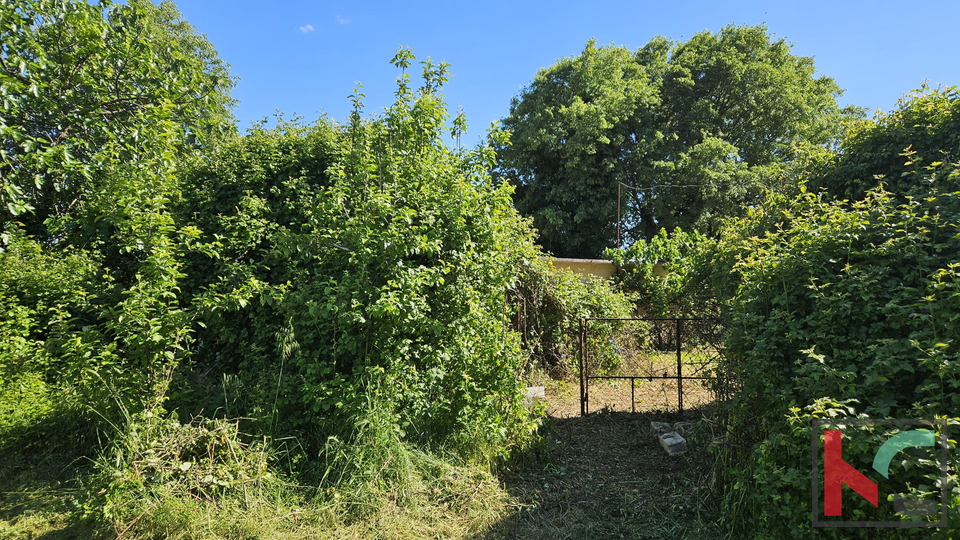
99, 103
574, 133
692, 130
87, 86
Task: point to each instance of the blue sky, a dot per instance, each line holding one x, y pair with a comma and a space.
305, 57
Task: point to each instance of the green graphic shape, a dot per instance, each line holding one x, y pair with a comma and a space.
905, 439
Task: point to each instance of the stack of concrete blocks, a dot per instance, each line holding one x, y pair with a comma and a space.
671, 436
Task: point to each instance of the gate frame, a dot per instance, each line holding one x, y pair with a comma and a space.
585, 377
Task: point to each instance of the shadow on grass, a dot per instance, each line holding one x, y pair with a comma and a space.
606, 476
44, 459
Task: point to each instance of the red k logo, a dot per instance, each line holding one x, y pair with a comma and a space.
837, 472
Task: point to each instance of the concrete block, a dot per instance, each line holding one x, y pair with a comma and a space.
673, 443
659, 428
533, 393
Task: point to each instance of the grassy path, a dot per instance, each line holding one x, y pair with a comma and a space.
605, 476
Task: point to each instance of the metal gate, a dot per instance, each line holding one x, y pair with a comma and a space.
660, 349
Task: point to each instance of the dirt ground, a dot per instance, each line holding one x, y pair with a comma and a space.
563, 398
605, 475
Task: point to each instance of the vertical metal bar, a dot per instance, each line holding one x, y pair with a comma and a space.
679, 367
633, 399
583, 390
586, 367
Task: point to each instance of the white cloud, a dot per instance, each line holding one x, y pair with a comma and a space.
341, 20
306, 29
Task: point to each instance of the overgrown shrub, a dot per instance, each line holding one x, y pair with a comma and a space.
43, 296
550, 302
362, 268
93, 253
897, 149
663, 273
341, 286
839, 309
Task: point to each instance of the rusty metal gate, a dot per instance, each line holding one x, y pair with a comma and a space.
646, 350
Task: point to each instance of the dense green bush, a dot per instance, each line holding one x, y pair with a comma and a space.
842, 309
897, 148
92, 254
835, 309
550, 303
360, 273
341, 287
51, 309
664, 273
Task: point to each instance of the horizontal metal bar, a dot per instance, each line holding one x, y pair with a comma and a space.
635, 319
647, 377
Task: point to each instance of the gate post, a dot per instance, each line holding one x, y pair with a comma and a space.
679, 366
583, 380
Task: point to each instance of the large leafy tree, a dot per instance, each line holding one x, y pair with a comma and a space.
689, 130
85, 87
98, 103
575, 131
